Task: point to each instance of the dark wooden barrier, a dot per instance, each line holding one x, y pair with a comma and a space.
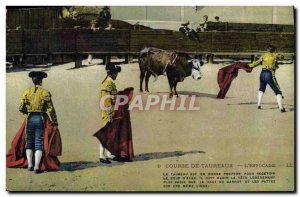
63, 45
66, 23
87, 16
165, 39
285, 42
103, 41
211, 26
33, 18
119, 24
200, 44
36, 46
14, 42
212, 42
36, 42
43, 18
83, 23
251, 42
108, 42
249, 27
232, 42
253, 27
17, 18
71, 23
171, 40
62, 41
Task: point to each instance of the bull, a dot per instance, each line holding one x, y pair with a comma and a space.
177, 66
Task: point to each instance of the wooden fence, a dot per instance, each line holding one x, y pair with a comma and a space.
73, 42
249, 27
32, 18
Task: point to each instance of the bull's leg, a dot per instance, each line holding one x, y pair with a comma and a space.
175, 85
171, 90
148, 74
171, 86
142, 76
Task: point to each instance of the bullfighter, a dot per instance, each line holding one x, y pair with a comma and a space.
269, 63
38, 135
116, 134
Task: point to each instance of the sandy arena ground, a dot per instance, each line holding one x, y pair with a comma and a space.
222, 131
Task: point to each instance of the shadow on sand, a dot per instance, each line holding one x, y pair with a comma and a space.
31, 67
189, 93
22, 69
81, 165
94, 64
290, 108
84, 66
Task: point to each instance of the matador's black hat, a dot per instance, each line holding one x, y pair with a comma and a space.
38, 74
113, 67
185, 24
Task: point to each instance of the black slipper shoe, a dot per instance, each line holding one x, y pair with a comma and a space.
106, 161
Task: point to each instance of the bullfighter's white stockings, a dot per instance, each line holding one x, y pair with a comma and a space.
38, 156
279, 101
260, 95
29, 154
104, 153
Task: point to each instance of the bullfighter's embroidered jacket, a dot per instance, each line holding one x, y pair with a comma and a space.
268, 61
108, 88
37, 99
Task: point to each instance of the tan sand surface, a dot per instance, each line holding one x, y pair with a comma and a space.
232, 130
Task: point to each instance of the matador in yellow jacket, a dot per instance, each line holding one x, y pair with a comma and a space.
269, 62
36, 103
108, 93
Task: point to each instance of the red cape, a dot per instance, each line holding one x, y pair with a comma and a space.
117, 136
227, 74
16, 156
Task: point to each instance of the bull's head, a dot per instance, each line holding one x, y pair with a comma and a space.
196, 68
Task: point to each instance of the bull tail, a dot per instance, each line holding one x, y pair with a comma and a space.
142, 61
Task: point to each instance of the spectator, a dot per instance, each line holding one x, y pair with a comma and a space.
217, 19
188, 32
65, 12
203, 25
185, 29
109, 27
69, 12
104, 17
72, 13
94, 25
